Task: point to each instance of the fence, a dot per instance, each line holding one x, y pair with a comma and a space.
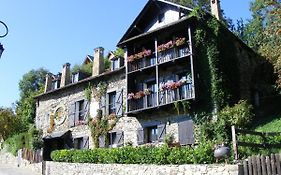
236, 143
33, 156
262, 165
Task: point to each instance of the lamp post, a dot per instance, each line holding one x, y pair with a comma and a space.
2, 36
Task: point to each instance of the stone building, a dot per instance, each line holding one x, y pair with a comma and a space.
63, 110
163, 81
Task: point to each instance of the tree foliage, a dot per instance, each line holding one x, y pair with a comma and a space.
85, 68
32, 81
9, 123
263, 32
31, 84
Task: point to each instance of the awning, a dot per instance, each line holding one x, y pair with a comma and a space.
54, 135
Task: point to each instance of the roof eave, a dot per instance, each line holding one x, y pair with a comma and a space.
142, 13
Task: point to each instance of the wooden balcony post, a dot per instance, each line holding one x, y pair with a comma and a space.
157, 73
127, 83
191, 59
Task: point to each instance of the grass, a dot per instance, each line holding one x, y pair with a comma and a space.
270, 124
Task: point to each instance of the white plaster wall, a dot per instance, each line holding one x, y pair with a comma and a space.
170, 16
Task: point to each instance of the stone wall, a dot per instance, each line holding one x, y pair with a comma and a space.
55, 168
8, 158
48, 104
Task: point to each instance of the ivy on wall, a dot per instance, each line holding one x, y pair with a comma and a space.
99, 125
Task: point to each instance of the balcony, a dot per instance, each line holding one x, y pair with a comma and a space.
182, 93
143, 102
172, 54
142, 63
165, 97
169, 51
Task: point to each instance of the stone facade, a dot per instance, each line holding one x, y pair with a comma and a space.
121, 169
48, 105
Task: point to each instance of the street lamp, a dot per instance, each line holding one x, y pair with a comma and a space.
2, 36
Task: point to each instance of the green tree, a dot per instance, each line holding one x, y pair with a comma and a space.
9, 123
31, 84
263, 32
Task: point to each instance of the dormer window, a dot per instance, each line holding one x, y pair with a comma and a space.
116, 63
77, 76
55, 84
161, 17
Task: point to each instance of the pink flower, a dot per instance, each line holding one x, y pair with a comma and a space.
131, 96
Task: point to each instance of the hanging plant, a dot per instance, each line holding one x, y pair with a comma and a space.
134, 57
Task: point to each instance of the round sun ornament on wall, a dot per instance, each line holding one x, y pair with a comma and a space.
59, 116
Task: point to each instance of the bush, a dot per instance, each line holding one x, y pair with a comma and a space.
32, 139
140, 155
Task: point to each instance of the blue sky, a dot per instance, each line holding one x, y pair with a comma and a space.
49, 33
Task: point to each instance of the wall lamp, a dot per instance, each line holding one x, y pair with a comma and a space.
2, 36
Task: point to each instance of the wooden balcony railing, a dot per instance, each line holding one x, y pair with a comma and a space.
141, 63
182, 93
163, 56
165, 97
143, 102
172, 53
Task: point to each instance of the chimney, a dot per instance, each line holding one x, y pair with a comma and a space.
216, 9
48, 82
65, 75
98, 63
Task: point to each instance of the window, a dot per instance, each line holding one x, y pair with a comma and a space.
112, 101
81, 142
81, 110
78, 143
161, 17
112, 138
115, 64
75, 77
55, 84
152, 134
115, 139
78, 112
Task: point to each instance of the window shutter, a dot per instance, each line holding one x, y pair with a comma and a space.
161, 129
140, 136
71, 115
86, 142
119, 138
106, 105
121, 60
103, 105
76, 115
186, 132
102, 141
86, 109
119, 103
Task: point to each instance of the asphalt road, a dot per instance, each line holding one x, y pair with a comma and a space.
13, 170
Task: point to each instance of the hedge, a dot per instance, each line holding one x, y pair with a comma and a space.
202, 154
